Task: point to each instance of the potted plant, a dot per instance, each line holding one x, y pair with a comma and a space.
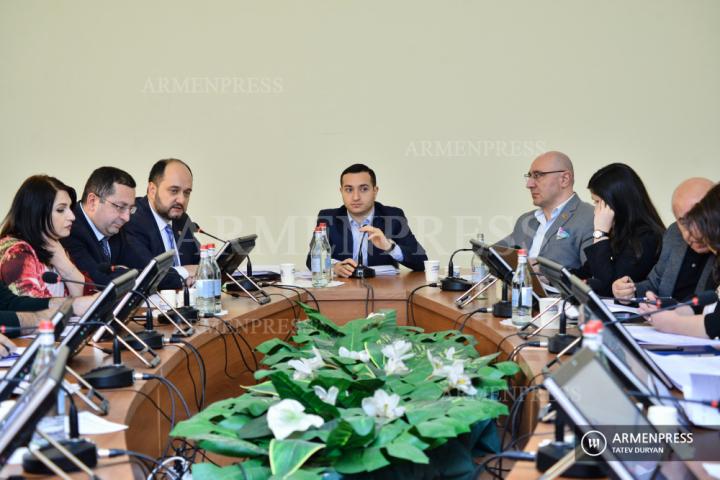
368, 398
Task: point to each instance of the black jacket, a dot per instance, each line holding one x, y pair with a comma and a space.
147, 238
390, 220
87, 253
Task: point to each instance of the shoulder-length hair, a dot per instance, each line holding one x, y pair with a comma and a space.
30, 215
622, 189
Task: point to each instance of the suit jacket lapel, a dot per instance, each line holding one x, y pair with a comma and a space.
565, 215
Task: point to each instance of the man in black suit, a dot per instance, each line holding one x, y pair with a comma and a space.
380, 232
161, 223
97, 241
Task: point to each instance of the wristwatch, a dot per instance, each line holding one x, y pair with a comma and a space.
392, 246
598, 234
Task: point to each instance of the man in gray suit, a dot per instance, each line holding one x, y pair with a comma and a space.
562, 226
684, 267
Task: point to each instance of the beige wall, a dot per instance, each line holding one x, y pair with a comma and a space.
449, 101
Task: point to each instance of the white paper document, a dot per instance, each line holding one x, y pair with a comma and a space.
572, 312
9, 361
645, 334
703, 386
679, 367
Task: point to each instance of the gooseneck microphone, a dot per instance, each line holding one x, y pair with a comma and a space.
361, 270
451, 283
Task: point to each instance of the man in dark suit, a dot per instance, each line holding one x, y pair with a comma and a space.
562, 225
97, 241
685, 264
161, 223
380, 232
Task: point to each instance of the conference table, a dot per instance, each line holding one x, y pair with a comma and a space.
229, 360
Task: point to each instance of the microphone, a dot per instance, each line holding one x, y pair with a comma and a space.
197, 229
702, 299
451, 283
362, 271
708, 403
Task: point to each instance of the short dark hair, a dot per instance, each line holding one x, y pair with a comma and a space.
102, 182
359, 168
158, 170
30, 214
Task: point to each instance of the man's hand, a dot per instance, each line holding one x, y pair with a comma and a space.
623, 287
6, 346
345, 268
190, 281
377, 237
81, 304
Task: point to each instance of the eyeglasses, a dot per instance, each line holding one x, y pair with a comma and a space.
120, 208
536, 175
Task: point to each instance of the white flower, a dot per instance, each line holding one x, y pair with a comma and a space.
459, 380
437, 364
398, 350
328, 396
288, 416
305, 367
362, 355
395, 367
449, 354
382, 405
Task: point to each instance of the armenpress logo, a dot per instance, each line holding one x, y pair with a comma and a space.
593, 443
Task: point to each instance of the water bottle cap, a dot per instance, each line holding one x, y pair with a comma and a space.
592, 327
211, 245
45, 326
522, 252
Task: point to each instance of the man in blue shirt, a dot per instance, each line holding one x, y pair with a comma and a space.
364, 226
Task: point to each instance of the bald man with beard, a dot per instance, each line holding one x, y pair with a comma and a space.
562, 225
684, 267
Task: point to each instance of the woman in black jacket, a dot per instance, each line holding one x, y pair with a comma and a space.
628, 230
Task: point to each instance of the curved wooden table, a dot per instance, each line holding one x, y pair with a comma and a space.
148, 429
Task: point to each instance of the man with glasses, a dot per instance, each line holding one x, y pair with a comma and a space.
97, 242
162, 224
562, 226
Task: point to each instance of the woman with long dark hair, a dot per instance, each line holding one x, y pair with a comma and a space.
40, 215
628, 230
703, 224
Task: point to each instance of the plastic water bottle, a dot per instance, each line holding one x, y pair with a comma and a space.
54, 423
477, 266
328, 252
205, 284
592, 334
318, 260
522, 292
45, 355
217, 280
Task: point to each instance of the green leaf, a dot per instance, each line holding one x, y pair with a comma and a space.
301, 475
320, 321
407, 452
255, 428
271, 346
287, 456
427, 391
208, 471
481, 409
232, 447
363, 426
417, 412
265, 388
340, 435
373, 459
508, 368
390, 432
437, 428
285, 387
351, 462
280, 356
483, 361
234, 422
197, 426
419, 372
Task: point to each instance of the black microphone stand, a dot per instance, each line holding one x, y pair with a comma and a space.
451, 283
72, 454
362, 270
